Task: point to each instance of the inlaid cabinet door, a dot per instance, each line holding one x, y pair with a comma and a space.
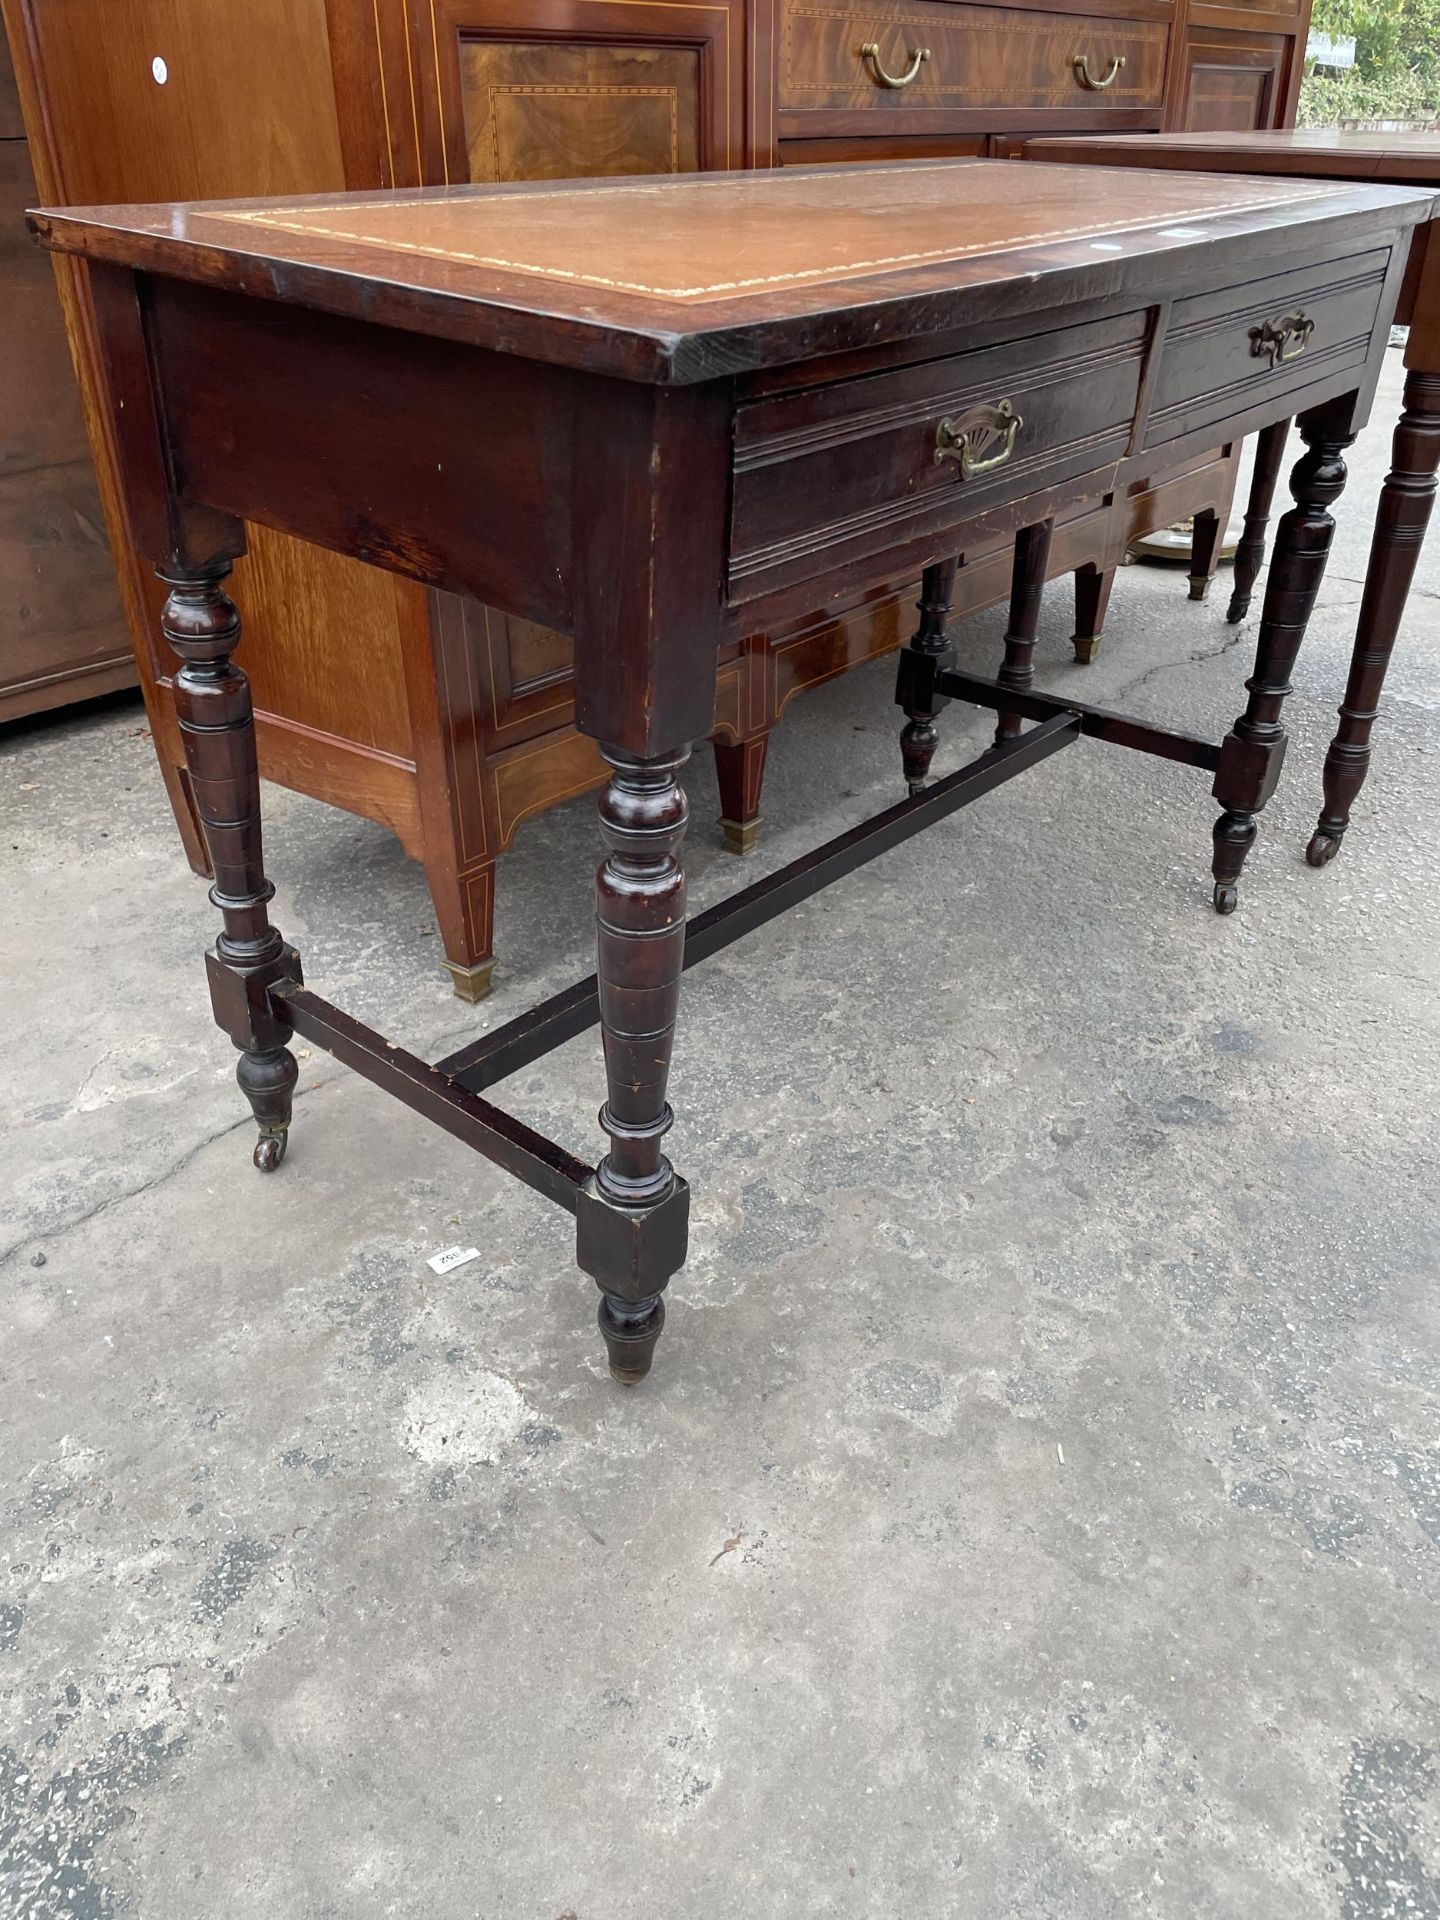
554, 112
512, 90
1233, 82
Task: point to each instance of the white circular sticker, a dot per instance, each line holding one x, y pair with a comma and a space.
160, 71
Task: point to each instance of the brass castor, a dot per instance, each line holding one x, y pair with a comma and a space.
1323, 848
270, 1150
631, 1331
1086, 646
1200, 586
1226, 897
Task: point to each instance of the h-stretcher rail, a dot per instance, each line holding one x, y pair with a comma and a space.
448, 1092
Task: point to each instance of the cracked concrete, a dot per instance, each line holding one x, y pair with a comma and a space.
1035, 1508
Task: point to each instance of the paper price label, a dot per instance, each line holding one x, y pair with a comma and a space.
451, 1258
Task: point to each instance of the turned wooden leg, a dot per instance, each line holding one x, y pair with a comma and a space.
1252, 752
632, 1222
1205, 540
1092, 597
212, 702
1405, 503
920, 661
1027, 588
740, 771
1250, 553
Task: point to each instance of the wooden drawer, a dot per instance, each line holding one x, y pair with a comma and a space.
1274, 337
860, 466
978, 59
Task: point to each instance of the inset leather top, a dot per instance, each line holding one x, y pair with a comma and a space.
686, 277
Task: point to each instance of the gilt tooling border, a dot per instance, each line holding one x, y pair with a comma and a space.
840, 270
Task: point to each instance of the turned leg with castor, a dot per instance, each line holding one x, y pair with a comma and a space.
740, 774
928, 651
1092, 597
212, 703
632, 1220
1205, 537
1250, 553
1252, 752
1027, 589
1405, 503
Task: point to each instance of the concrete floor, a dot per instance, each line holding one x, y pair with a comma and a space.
1034, 1510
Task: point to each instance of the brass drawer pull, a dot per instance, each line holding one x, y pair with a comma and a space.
870, 54
1081, 64
969, 438
1282, 340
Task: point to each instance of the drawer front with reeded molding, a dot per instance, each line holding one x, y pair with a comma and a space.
1223, 351
862, 465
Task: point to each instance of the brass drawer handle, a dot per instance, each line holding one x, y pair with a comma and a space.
870, 54
969, 438
1081, 64
1281, 340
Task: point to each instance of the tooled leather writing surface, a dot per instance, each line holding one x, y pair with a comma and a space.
706, 239
680, 278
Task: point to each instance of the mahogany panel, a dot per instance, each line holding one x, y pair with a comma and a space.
260, 438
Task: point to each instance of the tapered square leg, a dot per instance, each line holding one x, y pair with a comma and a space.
1250, 553
1405, 504
632, 1225
1253, 751
217, 727
1092, 597
740, 774
1205, 538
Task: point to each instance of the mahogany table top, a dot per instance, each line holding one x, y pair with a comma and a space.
1303, 152
684, 278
